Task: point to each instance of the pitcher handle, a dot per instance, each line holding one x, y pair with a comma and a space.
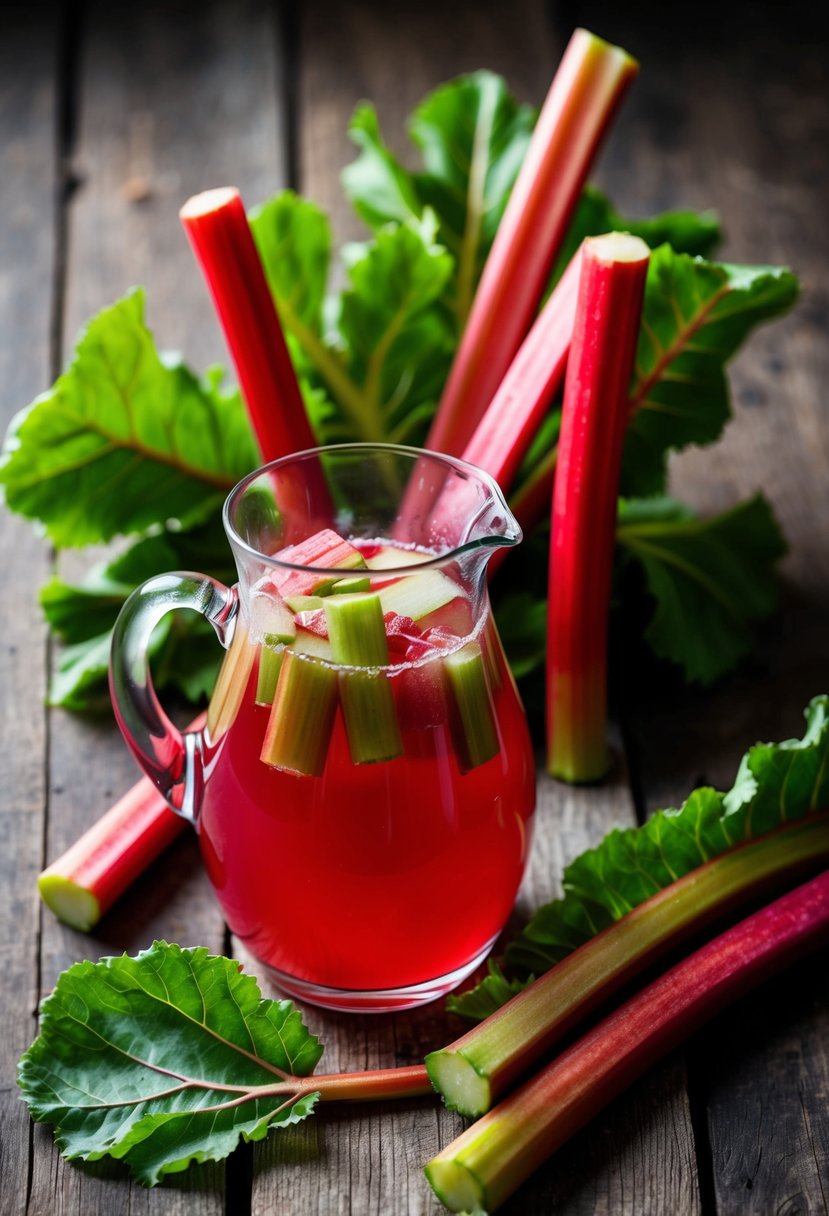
172, 760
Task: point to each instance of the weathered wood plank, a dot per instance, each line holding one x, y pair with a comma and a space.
170, 104
27, 257
743, 129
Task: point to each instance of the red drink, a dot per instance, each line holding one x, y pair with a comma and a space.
372, 877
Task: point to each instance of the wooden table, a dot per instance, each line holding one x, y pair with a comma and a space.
111, 116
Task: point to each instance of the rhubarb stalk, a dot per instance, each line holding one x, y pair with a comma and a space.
83, 883
485, 1164
474, 1071
506, 429
219, 233
588, 86
594, 416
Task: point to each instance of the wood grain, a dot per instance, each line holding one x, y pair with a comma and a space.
168, 107
27, 171
737, 129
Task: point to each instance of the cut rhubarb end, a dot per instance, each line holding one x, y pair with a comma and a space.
270, 664
70, 902
473, 722
418, 595
357, 630
462, 1086
507, 1144
456, 1186
370, 717
351, 586
392, 557
304, 603
505, 1045
325, 550
302, 718
271, 619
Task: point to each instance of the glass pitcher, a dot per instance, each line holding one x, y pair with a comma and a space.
364, 788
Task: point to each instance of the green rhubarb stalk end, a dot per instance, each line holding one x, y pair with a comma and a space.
270, 663
357, 634
71, 903
473, 722
302, 717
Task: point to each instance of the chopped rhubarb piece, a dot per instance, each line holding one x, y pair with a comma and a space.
588, 86
357, 630
395, 557
326, 550
304, 603
358, 639
311, 644
593, 421
302, 717
270, 664
417, 595
313, 622
350, 586
271, 619
473, 720
230, 684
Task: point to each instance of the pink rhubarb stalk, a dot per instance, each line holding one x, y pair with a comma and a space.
506, 429
477, 1068
219, 233
484, 1165
82, 884
594, 416
588, 87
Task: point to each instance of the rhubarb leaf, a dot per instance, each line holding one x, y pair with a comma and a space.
776, 784
473, 137
398, 344
711, 580
185, 653
164, 1059
696, 315
125, 437
691, 232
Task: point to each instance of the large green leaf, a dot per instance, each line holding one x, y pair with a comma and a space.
696, 314
163, 1059
124, 438
185, 651
397, 341
685, 231
473, 137
711, 579
777, 783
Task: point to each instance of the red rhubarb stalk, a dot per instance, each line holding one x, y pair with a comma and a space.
88, 878
588, 86
484, 1165
594, 416
506, 429
218, 230
477, 1068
